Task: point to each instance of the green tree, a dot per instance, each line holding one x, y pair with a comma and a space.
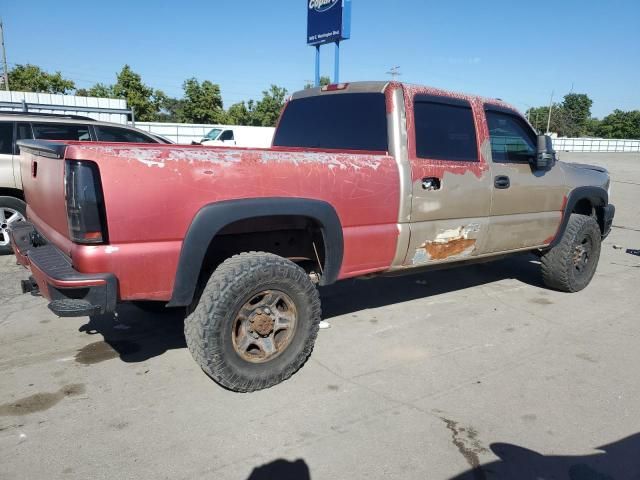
323, 81
98, 90
268, 109
241, 113
170, 110
30, 78
142, 99
539, 116
202, 102
576, 109
620, 124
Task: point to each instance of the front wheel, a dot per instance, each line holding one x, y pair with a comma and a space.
256, 322
570, 265
12, 211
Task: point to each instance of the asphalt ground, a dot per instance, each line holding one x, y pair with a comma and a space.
478, 372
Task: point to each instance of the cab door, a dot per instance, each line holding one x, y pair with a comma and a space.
451, 181
526, 207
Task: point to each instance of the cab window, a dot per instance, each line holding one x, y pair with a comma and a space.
226, 135
61, 131
445, 129
23, 132
511, 139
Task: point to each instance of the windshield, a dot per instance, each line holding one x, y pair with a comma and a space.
213, 133
346, 121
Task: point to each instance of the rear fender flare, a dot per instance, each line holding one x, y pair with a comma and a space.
212, 218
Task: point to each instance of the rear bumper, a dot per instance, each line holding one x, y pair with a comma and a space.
71, 293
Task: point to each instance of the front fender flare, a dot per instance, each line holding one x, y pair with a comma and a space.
212, 218
598, 197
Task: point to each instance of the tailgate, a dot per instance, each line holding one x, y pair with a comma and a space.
42, 168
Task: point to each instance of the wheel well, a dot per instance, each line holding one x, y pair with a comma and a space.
298, 238
12, 192
586, 206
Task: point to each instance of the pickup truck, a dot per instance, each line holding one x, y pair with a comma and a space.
367, 178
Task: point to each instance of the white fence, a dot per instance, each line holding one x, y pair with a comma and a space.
92, 107
183, 133
595, 145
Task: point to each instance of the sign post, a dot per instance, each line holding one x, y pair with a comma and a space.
328, 21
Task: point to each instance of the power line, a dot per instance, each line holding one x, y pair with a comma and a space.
394, 72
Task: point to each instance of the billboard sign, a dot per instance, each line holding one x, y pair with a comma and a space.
328, 21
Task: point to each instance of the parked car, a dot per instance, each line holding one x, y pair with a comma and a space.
369, 178
239, 136
16, 126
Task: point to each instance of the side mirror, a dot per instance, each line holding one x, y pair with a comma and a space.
546, 155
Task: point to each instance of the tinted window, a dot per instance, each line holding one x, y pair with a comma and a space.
23, 132
445, 131
350, 121
226, 135
61, 131
511, 139
115, 134
6, 137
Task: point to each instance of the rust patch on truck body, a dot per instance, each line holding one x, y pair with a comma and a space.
452, 248
448, 244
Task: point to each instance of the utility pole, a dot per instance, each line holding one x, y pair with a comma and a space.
550, 108
5, 72
394, 72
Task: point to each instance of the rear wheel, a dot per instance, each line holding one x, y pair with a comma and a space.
12, 211
570, 265
256, 322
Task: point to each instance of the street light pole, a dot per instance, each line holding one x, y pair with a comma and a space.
5, 72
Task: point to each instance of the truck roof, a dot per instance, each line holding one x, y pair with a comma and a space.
381, 86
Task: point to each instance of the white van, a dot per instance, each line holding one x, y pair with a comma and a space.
248, 137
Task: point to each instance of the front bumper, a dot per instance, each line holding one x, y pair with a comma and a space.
71, 293
609, 211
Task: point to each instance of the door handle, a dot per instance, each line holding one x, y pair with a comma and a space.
430, 184
502, 182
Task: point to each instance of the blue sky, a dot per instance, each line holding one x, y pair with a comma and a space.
516, 50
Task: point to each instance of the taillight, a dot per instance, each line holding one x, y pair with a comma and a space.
85, 204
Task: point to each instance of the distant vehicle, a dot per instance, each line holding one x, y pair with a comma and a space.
364, 178
237, 136
16, 126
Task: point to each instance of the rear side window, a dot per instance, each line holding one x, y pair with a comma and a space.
445, 129
23, 132
61, 131
346, 121
115, 134
6, 137
511, 139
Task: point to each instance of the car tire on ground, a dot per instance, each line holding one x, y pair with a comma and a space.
12, 210
570, 265
256, 322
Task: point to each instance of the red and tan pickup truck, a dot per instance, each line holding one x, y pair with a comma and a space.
363, 178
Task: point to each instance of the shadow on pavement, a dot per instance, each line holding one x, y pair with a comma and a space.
617, 461
354, 295
136, 335
282, 470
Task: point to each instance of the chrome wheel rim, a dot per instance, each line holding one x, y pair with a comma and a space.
264, 326
8, 218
